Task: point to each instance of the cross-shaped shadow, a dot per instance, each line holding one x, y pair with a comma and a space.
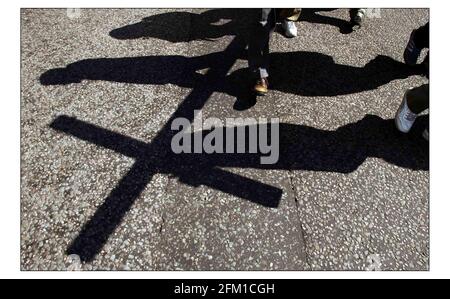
148, 160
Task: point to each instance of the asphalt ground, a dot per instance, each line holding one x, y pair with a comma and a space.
101, 189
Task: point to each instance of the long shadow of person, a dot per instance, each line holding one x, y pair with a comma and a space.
186, 26
316, 74
180, 26
342, 150
155, 70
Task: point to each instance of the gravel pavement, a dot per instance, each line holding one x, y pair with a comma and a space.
101, 190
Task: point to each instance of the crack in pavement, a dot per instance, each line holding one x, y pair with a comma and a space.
302, 230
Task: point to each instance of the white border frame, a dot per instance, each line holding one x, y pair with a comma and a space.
10, 151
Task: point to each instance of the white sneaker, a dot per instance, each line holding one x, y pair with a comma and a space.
405, 118
290, 30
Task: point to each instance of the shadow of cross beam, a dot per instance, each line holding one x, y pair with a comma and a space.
151, 158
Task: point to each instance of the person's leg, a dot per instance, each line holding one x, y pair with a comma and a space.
422, 36
258, 48
418, 40
291, 14
356, 17
415, 101
418, 98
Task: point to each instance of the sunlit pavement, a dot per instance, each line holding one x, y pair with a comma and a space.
101, 191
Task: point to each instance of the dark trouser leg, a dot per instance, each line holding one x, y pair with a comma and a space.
422, 36
418, 98
290, 14
258, 48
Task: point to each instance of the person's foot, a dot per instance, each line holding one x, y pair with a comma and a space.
357, 20
412, 52
261, 87
405, 118
290, 30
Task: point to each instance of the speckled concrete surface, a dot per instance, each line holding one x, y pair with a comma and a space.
363, 207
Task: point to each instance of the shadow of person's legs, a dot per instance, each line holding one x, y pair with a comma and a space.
180, 26
302, 73
306, 148
315, 74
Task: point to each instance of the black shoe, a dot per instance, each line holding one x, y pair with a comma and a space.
412, 52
